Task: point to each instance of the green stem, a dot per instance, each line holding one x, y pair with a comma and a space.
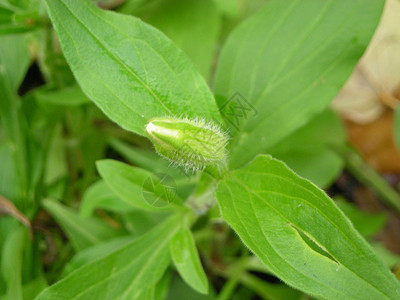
229, 288
369, 177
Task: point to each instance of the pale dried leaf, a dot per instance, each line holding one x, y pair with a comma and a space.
377, 75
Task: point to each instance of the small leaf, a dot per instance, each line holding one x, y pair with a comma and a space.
367, 224
308, 151
152, 162
187, 261
14, 59
124, 273
140, 157
11, 262
137, 187
129, 69
82, 232
389, 258
9, 23
272, 77
68, 96
100, 195
301, 236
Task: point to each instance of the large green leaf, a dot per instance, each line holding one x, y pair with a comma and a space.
309, 150
285, 63
83, 232
193, 25
95, 252
122, 274
129, 69
298, 232
187, 261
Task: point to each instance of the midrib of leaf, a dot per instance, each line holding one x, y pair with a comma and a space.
150, 247
305, 60
152, 257
306, 34
95, 75
320, 212
284, 106
271, 266
273, 84
117, 58
267, 39
95, 12
300, 187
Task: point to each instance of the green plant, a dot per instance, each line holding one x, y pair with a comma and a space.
275, 76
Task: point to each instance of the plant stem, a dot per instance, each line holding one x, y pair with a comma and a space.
229, 288
356, 165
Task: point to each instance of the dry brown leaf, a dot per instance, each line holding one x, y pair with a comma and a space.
7, 207
375, 142
376, 78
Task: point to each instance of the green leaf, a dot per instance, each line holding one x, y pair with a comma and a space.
143, 158
100, 195
34, 287
129, 69
95, 252
180, 290
11, 262
123, 274
391, 259
11, 22
8, 180
285, 63
14, 59
268, 290
187, 261
68, 96
367, 224
277, 214
193, 25
150, 161
82, 232
308, 151
138, 221
137, 187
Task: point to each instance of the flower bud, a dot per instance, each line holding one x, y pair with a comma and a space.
193, 144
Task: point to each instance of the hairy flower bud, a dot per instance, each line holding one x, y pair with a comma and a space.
192, 144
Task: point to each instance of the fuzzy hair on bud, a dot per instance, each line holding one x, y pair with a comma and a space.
193, 144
